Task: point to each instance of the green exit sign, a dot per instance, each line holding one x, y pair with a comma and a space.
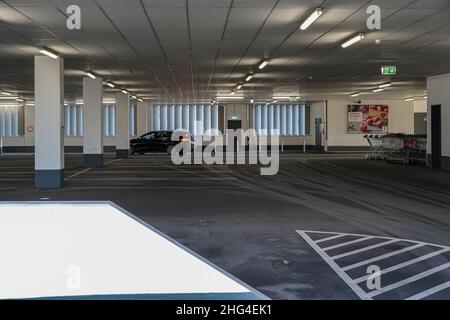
293, 98
389, 70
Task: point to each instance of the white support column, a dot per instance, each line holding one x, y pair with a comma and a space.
92, 122
122, 123
49, 137
141, 118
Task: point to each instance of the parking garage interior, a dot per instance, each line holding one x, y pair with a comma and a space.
360, 116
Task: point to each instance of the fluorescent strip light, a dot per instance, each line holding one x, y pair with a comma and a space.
425, 97
378, 90
353, 40
233, 93
285, 97
385, 85
30, 104
19, 100
133, 97
355, 94
274, 101
310, 20
249, 77
140, 100
124, 91
251, 101
6, 93
239, 86
90, 75
409, 99
10, 105
231, 97
263, 64
48, 53
9, 98
109, 84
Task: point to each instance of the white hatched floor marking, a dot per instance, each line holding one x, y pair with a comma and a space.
429, 292
355, 284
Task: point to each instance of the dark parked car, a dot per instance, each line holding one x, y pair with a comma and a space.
157, 141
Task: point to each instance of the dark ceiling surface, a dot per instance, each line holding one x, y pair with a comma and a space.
194, 50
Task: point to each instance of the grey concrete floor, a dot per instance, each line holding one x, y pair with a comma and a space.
246, 223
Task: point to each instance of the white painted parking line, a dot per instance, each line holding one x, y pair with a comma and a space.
330, 238
346, 254
410, 279
429, 292
346, 243
361, 293
77, 174
383, 256
401, 276
406, 263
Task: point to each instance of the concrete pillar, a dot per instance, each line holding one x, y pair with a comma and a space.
49, 133
438, 92
122, 124
92, 122
142, 118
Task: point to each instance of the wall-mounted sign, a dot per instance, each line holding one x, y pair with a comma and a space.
388, 70
368, 119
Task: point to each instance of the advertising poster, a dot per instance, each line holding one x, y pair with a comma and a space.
372, 119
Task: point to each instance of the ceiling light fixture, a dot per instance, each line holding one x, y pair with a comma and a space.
353, 40
90, 75
385, 85
110, 84
310, 20
378, 90
140, 100
239, 87
19, 100
263, 64
6, 93
251, 101
29, 104
48, 53
233, 93
10, 105
409, 99
229, 97
425, 97
249, 77
9, 98
124, 91
355, 94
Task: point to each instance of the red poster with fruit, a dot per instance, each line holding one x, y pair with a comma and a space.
368, 119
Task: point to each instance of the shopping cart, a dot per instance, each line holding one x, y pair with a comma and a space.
377, 143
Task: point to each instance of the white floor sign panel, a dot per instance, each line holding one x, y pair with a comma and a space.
64, 250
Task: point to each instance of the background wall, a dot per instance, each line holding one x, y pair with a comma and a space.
438, 88
401, 120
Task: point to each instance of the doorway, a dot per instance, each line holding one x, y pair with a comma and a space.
318, 132
235, 125
436, 139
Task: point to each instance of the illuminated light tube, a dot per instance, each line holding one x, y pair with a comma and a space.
230, 97
124, 91
409, 99
233, 93
355, 94
425, 97
140, 100
251, 101
385, 85
90, 75
133, 97
285, 97
48, 53
110, 84
249, 77
263, 64
378, 90
19, 100
239, 86
310, 20
353, 40
10, 105
9, 98
6, 93
29, 104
